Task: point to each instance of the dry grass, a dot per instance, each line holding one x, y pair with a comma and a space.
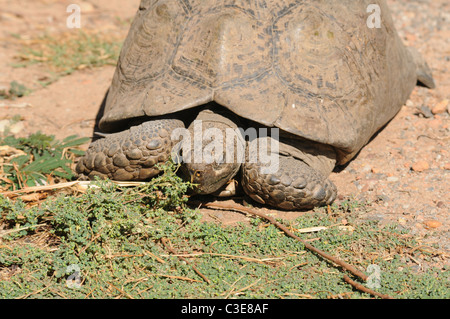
67, 52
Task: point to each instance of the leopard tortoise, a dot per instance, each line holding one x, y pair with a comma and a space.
316, 70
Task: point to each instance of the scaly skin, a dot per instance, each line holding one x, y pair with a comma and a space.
131, 154
295, 185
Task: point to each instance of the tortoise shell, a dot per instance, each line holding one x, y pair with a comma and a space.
312, 68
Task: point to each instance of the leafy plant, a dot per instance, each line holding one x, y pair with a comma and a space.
42, 157
16, 90
114, 236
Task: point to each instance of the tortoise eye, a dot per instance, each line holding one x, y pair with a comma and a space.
198, 174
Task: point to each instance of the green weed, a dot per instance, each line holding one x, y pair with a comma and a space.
37, 158
16, 90
113, 235
65, 53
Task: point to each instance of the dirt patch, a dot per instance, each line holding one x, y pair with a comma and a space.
403, 172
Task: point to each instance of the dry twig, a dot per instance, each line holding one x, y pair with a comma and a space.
344, 265
365, 289
251, 211
166, 244
175, 277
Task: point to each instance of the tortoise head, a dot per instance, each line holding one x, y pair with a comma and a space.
209, 177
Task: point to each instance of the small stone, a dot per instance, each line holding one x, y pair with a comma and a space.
392, 179
420, 166
447, 166
382, 198
15, 128
432, 223
425, 111
376, 170
441, 107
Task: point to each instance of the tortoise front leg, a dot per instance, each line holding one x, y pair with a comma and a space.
293, 183
130, 155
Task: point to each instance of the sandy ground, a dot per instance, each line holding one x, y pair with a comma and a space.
403, 172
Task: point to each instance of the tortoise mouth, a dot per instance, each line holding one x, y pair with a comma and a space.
208, 178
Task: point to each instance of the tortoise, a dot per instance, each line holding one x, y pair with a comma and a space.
314, 70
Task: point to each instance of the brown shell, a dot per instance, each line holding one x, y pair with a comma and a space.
312, 68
